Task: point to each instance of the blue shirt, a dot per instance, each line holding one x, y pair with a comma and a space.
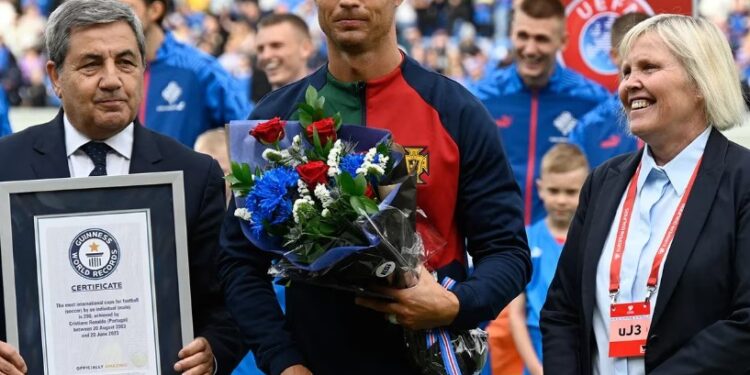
4, 110
659, 190
545, 252
188, 92
530, 122
603, 133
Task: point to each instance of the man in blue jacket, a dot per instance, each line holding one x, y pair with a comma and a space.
536, 102
186, 91
603, 133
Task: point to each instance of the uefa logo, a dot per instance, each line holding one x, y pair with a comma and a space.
94, 254
589, 23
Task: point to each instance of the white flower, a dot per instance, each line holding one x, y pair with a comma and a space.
368, 167
243, 214
334, 157
300, 204
325, 213
323, 195
302, 188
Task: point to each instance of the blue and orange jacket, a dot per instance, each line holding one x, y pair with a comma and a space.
603, 133
531, 122
187, 92
465, 186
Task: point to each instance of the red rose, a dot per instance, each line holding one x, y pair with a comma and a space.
326, 130
313, 173
369, 192
269, 132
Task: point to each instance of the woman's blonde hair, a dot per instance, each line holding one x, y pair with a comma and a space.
704, 53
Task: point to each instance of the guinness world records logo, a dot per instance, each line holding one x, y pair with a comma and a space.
94, 254
589, 23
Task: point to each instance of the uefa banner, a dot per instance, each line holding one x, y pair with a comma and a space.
589, 23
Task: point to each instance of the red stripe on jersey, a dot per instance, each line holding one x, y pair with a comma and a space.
394, 105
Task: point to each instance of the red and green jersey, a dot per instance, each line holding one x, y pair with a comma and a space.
466, 188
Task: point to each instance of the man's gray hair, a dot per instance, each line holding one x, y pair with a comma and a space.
84, 13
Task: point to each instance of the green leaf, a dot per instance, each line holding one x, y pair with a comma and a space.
306, 108
305, 119
337, 120
311, 95
370, 206
360, 185
316, 141
320, 102
327, 229
357, 205
346, 182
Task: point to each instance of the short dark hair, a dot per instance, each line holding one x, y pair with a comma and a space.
168, 8
278, 18
543, 8
623, 24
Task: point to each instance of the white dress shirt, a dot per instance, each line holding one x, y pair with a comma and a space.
659, 190
80, 165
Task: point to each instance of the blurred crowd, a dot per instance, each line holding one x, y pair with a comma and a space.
460, 38
463, 39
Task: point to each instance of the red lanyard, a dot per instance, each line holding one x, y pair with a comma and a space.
622, 235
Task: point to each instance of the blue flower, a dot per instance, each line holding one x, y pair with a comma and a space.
350, 163
270, 200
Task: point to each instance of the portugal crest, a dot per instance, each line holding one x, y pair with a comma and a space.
94, 254
418, 162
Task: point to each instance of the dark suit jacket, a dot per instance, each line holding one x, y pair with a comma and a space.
701, 321
39, 153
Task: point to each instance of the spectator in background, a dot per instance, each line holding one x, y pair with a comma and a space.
603, 133
536, 103
564, 169
186, 92
283, 47
4, 109
10, 74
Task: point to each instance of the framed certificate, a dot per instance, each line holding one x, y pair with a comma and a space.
95, 273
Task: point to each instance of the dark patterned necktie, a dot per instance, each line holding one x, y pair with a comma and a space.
97, 151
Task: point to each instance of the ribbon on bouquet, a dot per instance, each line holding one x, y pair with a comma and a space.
442, 337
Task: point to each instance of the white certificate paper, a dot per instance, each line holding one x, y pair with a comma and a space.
97, 293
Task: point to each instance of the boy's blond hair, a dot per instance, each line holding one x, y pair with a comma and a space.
563, 158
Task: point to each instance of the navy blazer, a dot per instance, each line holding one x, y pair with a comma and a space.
701, 321
39, 153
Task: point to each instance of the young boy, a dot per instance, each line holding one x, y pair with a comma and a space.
563, 171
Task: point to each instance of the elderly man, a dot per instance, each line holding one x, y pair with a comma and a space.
96, 51
465, 186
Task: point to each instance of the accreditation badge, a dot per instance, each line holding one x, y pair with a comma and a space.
628, 329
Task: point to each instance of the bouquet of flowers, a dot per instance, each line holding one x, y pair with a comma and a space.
338, 205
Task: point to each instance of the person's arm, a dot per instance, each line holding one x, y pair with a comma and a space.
490, 215
721, 348
560, 320
521, 337
211, 319
251, 299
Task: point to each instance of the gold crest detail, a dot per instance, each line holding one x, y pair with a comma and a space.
418, 162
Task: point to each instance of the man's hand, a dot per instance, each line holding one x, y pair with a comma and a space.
196, 358
426, 305
11, 362
296, 370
